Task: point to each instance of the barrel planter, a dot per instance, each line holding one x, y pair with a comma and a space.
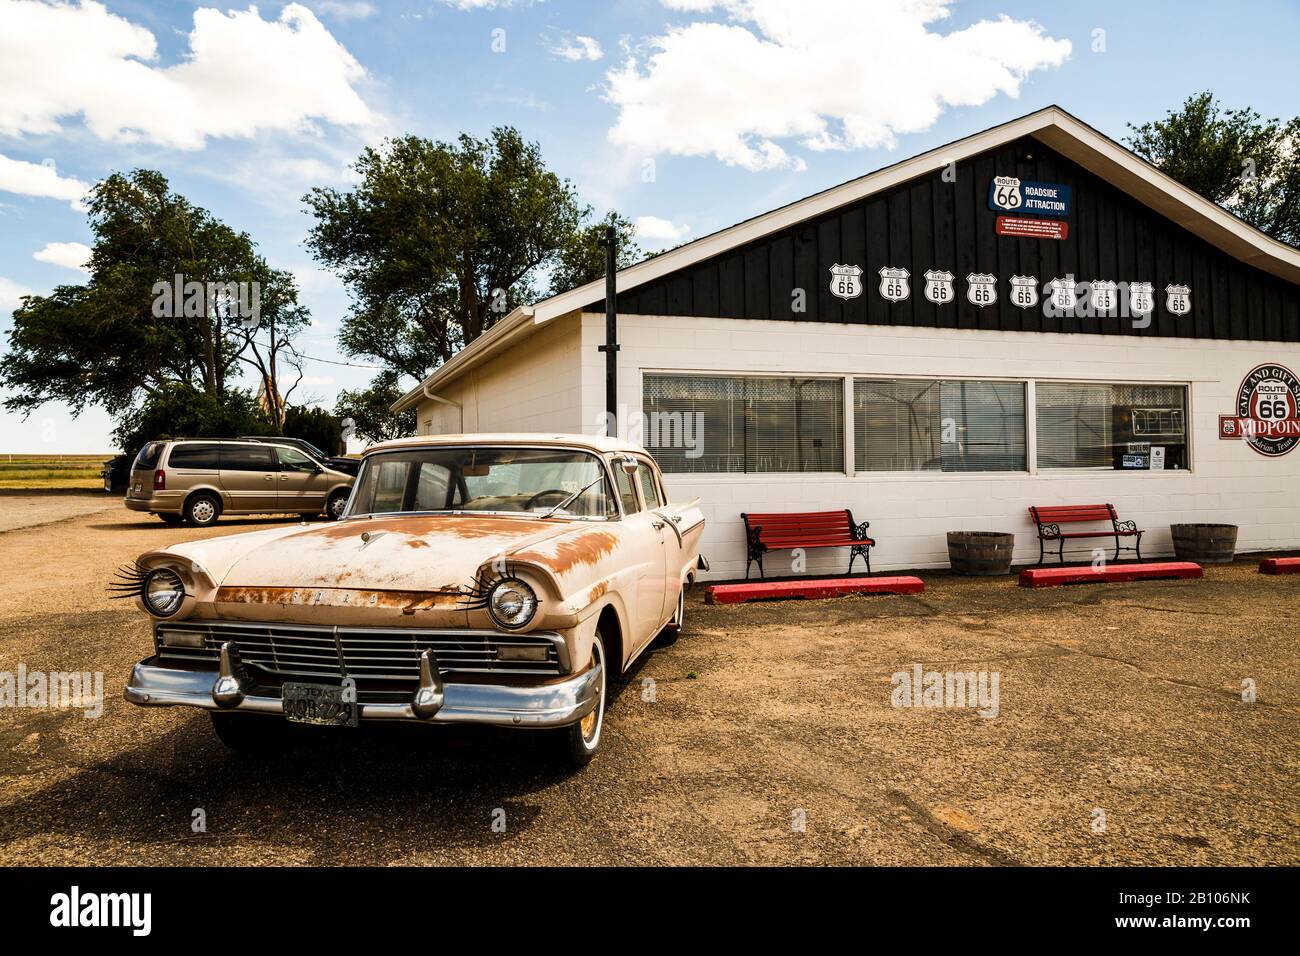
1205, 543
980, 553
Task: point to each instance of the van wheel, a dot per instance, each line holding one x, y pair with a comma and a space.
578, 743
202, 510
338, 501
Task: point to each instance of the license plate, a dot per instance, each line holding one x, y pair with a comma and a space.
135, 489
320, 704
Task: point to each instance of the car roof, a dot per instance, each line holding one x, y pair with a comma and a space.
595, 443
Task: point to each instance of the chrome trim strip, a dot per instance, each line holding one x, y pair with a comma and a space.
540, 706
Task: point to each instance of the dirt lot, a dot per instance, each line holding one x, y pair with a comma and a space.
1120, 699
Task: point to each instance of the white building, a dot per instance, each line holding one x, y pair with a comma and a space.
802, 360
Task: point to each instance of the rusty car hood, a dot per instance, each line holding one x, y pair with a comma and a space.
409, 553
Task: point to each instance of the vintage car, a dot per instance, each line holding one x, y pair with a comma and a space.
473, 579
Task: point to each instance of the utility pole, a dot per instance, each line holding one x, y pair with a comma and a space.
610, 348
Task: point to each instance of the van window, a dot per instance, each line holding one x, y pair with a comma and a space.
293, 460
149, 454
196, 456
247, 458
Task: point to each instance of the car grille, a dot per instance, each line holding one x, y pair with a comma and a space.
387, 657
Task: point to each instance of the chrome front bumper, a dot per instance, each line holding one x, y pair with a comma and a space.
556, 704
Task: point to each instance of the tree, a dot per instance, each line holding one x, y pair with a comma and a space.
175, 297
439, 241
371, 410
316, 425
1248, 165
179, 410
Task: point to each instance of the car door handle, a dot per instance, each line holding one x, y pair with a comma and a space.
268, 477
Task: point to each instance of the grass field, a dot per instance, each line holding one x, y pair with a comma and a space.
52, 471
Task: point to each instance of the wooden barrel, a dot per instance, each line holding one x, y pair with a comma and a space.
980, 553
1204, 543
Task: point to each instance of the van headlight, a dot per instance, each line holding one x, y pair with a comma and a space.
163, 592
512, 603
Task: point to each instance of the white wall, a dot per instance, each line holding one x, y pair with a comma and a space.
909, 514
532, 386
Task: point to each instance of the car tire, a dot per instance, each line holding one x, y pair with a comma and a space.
579, 742
202, 510
676, 624
171, 518
337, 502
249, 733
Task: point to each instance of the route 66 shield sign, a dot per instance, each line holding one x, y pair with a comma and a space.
1178, 299
846, 281
1005, 193
938, 286
893, 284
1064, 296
1024, 291
1102, 292
981, 289
1141, 299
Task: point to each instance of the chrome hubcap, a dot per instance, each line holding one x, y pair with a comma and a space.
590, 725
202, 510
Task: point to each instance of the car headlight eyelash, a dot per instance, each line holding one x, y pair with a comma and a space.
486, 592
135, 581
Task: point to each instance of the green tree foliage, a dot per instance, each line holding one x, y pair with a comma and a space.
180, 410
1248, 165
439, 241
117, 342
371, 410
316, 425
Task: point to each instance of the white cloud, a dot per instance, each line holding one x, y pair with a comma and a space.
828, 74
242, 74
484, 4
10, 293
70, 255
346, 9
577, 48
39, 179
656, 231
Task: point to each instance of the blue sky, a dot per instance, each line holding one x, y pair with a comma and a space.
684, 115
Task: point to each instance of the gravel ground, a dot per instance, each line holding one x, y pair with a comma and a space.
31, 510
1117, 699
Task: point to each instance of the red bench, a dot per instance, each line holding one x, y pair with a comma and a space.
809, 529
1050, 518
1280, 566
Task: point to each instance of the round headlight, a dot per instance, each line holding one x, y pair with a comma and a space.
163, 592
512, 603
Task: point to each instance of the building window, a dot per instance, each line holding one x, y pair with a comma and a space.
1112, 427
744, 424
945, 426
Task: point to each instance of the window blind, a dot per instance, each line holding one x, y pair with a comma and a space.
744, 424
1111, 427
947, 426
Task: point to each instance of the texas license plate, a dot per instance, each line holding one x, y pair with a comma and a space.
320, 704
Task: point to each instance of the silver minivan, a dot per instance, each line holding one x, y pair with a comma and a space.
199, 480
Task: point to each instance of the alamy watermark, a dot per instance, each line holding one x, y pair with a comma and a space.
240, 302
952, 689
679, 430
53, 690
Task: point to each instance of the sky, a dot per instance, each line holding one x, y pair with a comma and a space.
683, 115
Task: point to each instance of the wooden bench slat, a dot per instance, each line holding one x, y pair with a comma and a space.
780, 531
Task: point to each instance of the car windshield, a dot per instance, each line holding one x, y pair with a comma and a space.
483, 479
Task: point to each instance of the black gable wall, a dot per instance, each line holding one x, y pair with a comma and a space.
933, 224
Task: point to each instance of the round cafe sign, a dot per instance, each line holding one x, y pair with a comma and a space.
1269, 398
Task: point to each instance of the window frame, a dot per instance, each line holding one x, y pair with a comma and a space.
848, 467
1189, 419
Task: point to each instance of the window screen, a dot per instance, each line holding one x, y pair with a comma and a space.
947, 426
716, 423
1112, 427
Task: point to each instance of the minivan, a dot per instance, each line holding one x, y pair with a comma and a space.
199, 480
